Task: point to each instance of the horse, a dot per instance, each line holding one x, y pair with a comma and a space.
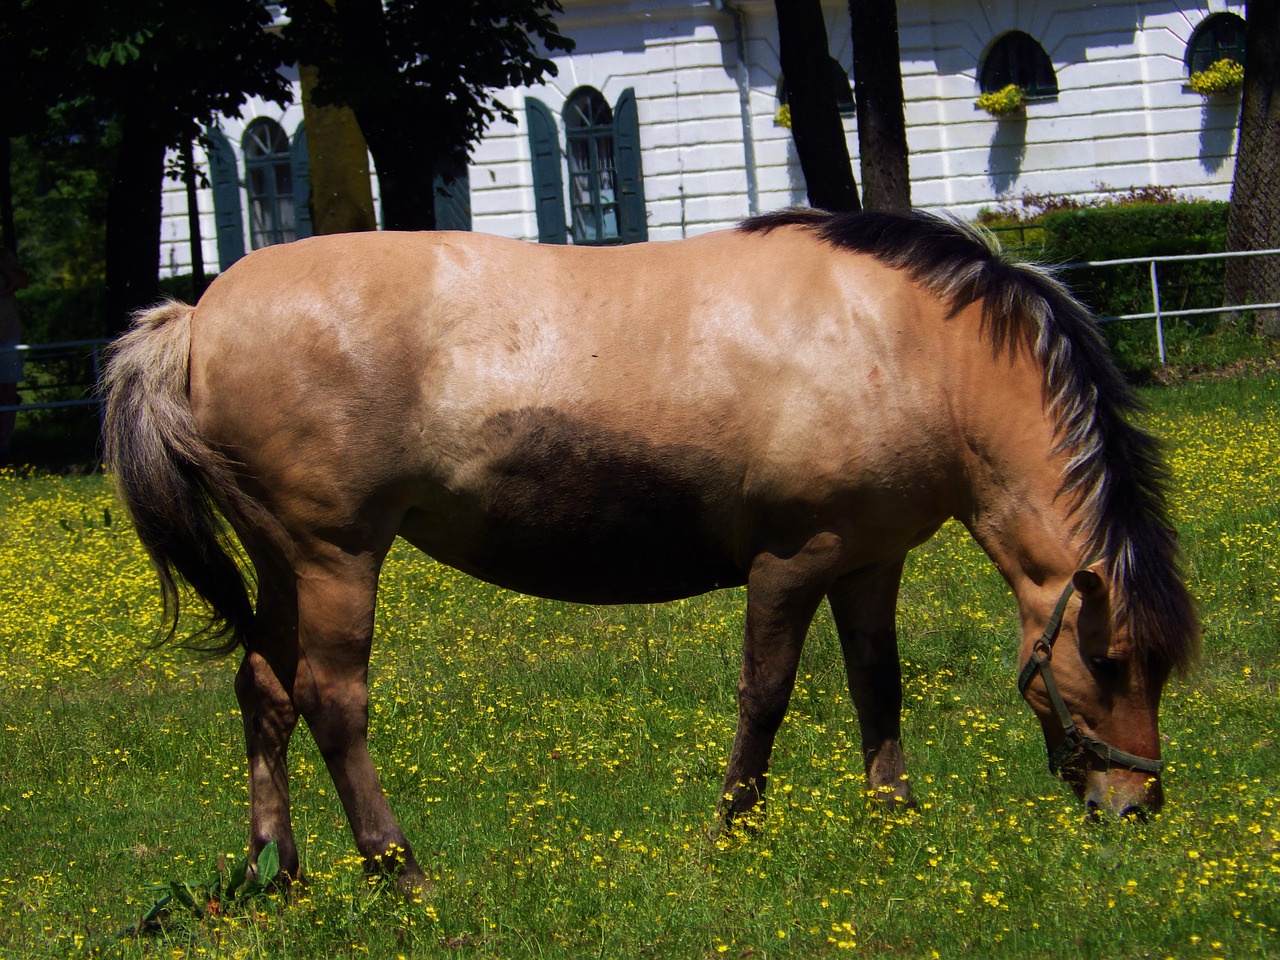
792, 404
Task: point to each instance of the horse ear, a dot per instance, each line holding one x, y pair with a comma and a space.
1093, 625
1089, 584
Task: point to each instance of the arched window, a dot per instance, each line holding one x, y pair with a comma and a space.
593, 193
840, 86
269, 181
1219, 37
1019, 59
606, 184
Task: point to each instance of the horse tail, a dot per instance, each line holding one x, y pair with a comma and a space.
172, 483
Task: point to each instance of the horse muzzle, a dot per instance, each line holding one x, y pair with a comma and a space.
1127, 794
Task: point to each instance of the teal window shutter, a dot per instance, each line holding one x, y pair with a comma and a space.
453, 194
548, 187
626, 143
300, 160
225, 180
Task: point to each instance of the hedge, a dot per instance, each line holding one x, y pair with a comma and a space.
1117, 233
1139, 230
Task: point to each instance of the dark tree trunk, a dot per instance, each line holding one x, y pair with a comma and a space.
877, 85
396, 125
815, 117
1254, 220
133, 223
406, 164
8, 233
195, 241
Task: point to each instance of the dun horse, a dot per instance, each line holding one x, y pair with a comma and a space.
792, 405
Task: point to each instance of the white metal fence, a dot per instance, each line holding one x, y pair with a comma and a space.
77, 389
1157, 313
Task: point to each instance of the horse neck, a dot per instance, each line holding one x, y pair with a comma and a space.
1015, 507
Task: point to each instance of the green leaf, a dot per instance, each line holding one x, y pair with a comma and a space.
268, 864
157, 908
236, 878
182, 893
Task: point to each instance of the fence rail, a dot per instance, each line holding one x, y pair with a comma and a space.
1159, 314
85, 351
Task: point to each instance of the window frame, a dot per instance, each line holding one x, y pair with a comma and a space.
1010, 58
1199, 56
272, 213
546, 141
594, 219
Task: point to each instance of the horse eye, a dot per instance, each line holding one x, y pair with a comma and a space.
1108, 667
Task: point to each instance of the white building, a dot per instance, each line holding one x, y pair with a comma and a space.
663, 121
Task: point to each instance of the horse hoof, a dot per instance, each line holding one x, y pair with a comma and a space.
893, 796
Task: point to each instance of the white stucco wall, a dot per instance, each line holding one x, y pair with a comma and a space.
1123, 116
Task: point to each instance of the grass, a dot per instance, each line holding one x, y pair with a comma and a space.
557, 766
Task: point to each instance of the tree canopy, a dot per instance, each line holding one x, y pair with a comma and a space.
422, 78
135, 79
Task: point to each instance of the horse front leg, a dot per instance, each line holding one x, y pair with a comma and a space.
335, 633
865, 608
782, 596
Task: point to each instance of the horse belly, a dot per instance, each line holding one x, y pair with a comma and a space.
556, 508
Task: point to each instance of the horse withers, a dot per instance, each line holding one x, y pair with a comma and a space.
792, 405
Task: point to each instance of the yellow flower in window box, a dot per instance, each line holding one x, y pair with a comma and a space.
1223, 76
783, 117
1004, 102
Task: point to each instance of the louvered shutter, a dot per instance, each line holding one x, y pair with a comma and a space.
224, 177
453, 195
634, 226
548, 187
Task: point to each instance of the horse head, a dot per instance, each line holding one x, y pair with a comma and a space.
1097, 694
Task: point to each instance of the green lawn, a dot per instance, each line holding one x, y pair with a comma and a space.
557, 766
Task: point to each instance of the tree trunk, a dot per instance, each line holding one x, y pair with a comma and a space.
8, 233
877, 85
406, 161
133, 223
815, 117
1254, 220
195, 240
341, 200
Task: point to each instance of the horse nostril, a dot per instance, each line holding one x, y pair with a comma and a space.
1096, 810
1136, 812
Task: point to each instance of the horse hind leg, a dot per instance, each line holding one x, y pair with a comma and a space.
263, 686
335, 631
865, 607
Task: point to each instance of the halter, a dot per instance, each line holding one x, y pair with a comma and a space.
1075, 744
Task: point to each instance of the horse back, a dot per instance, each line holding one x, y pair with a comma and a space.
660, 407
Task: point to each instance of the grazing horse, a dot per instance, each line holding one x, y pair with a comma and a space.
793, 405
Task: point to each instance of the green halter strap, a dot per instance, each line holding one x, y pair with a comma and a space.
1074, 742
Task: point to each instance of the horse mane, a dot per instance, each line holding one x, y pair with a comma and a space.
1115, 475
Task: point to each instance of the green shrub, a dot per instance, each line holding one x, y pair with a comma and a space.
1141, 230
51, 314
1137, 230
